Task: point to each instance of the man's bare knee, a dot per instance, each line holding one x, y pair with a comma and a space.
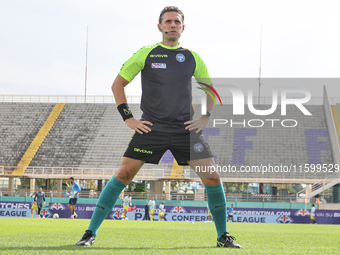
211, 181
128, 169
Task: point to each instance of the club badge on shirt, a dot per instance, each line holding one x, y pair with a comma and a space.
180, 57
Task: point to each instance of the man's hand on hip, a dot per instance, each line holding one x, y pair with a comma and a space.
197, 124
138, 125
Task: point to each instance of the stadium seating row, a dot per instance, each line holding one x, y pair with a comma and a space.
93, 135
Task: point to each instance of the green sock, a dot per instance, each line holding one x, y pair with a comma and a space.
106, 202
217, 206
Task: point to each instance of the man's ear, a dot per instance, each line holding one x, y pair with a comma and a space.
159, 28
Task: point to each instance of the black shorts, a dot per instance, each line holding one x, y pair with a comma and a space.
72, 201
150, 147
230, 216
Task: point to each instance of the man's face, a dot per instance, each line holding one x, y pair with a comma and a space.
171, 23
147, 202
40, 189
152, 198
71, 181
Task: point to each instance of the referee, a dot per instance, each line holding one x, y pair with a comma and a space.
166, 123
39, 197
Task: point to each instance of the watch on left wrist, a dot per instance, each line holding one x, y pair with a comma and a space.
208, 114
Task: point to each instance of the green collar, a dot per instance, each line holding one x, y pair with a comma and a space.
167, 47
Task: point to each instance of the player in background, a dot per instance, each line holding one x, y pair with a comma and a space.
34, 207
161, 211
126, 202
152, 207
167, 121
146, 211
73, 197
209, 214
39, 197
312, 215
230, 213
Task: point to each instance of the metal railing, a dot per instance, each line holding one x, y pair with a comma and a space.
147, 195
157, 174
78, 172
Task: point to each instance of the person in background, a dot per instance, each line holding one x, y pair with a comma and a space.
152, 207
125, 204
39, 197
73, 197
34, 207
231, 213
161, 211
146, 211
312, 215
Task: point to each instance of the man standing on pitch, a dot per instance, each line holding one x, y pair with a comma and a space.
312, 215
152, 207
146, 211
39, 197
73, 197
126, 203
161, 211
231, 213
166, 123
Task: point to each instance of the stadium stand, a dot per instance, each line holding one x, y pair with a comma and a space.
307, 143
93, 136
20, 123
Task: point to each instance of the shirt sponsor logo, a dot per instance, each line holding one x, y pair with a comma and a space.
180, 57
158, 65
198, 147
158, 56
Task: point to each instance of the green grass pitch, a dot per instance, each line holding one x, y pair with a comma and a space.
58, 236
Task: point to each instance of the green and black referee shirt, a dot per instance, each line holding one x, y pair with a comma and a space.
166, 84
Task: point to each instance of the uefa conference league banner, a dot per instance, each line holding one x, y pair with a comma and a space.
198, 214
177, 213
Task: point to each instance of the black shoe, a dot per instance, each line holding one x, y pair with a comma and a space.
87, 239
227, 241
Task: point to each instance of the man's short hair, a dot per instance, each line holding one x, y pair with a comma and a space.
312, 204
170, 9
71, 178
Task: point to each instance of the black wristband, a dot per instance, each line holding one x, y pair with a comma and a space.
125, 111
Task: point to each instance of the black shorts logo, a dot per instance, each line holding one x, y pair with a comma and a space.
142, 151
198, 147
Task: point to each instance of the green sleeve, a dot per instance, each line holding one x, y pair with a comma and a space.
201, 72
135, 64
